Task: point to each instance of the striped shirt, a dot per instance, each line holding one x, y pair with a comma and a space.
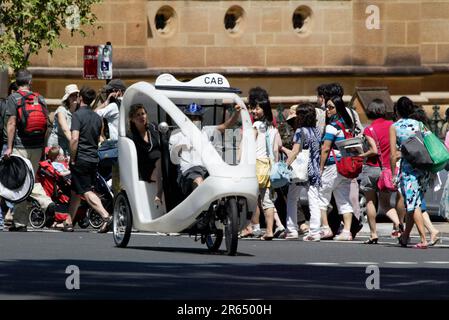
334, 133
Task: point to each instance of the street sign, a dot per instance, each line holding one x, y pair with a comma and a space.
90, 62
104, 62
98, 62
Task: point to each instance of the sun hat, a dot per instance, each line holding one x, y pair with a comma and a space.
24, 190
69, 89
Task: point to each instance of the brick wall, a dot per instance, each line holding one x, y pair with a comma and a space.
333, 42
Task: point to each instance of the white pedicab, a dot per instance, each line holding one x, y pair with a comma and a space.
224, 201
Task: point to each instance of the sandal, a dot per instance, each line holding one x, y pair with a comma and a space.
245, 233
266, 238
8, 222
420, 246
17, 227
67, 227
105, 225
434, 242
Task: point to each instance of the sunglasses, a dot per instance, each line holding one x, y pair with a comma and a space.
330, 107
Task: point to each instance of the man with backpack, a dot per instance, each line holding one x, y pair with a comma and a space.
26, 121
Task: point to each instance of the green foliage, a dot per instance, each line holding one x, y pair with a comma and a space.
28, 25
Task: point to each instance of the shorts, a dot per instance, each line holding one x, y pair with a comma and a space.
267, 198
84, 176
186, 179
369, 177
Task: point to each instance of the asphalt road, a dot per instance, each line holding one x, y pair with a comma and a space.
33, 266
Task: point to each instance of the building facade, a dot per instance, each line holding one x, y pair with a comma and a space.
288, 47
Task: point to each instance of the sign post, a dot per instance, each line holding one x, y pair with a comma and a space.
104, 62
98, 62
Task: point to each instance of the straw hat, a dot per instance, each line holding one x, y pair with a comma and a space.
69, 89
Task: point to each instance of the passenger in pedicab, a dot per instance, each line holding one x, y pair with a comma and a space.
146, 138
192, 170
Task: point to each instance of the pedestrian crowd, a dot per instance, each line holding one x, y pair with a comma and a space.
82, 138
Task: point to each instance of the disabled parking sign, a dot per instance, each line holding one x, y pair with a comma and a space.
98, 62
104, 62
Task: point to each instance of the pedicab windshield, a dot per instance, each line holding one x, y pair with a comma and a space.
226, 142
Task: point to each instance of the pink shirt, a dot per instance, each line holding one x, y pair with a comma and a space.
381, 129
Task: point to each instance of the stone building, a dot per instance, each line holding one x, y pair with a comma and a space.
289, 47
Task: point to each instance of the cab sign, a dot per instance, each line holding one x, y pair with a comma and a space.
217, 81
208, 80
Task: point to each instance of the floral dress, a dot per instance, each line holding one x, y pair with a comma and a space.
413, 181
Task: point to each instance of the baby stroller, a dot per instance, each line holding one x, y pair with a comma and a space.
57, 186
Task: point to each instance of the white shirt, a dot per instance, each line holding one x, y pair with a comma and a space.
183, 153
261, 142
111, 114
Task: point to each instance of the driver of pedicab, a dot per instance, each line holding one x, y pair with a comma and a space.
192, 169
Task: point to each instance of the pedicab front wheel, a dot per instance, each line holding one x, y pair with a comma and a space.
122, 220
232, 224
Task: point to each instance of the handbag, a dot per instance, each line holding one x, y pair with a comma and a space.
108, 150
415, 152
385, 181
437, 151
300, 165
348, 167
263, 171
280, 174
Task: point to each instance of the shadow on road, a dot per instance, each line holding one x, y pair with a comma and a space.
34, 279
186, 250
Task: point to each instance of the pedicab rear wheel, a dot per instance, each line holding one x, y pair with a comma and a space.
122, 220
213, 241
231, 226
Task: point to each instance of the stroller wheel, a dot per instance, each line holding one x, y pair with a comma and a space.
84, 222
37, 217
95, 219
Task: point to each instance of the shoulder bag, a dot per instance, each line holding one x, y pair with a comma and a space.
349, 167
385, 181
280, 174
300, 165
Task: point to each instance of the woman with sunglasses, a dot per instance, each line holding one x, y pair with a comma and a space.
332, 181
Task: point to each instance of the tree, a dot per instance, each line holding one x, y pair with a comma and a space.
28, 25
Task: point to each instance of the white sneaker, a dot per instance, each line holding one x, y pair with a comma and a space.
326, 233
312, 237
